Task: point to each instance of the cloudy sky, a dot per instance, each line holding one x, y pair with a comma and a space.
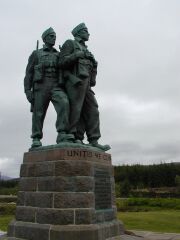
137, 45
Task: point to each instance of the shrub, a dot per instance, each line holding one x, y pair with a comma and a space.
7, 208
147, 204
9, 190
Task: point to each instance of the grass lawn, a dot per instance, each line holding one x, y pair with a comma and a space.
4, 220
157, 221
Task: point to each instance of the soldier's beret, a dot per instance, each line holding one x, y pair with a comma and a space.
47, 32
78, 28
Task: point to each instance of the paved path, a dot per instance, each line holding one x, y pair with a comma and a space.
1, 233
144, 235
157, 236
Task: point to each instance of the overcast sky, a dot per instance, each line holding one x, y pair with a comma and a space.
137, 45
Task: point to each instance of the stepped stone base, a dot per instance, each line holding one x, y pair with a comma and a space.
31, 231
66, 194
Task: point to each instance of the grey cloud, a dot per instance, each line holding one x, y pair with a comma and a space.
133, 153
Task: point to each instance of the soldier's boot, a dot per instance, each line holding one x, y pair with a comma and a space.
36, 143
64, 137
78, 141
105, 147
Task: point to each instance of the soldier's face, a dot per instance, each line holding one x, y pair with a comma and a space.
84, 34
50, 39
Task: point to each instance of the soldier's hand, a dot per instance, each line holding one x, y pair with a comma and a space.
80, 54
90, 56
29, 95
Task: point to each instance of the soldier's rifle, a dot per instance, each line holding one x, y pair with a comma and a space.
32, 103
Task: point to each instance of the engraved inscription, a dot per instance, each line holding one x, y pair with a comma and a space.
102, 189
79, 153
67, 154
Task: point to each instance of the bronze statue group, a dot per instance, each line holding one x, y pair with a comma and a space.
66, 79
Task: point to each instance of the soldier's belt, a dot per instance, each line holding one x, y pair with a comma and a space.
50, 79
50, 75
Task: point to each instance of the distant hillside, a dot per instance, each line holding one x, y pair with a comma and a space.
148, 176
2, 177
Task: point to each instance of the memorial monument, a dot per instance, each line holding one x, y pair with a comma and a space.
66, 190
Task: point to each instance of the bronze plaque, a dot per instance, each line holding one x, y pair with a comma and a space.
102, 189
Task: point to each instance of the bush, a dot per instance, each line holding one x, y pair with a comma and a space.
7, 208
117, 189
164, 192
9, 190
147, 204
125, 188
177, 181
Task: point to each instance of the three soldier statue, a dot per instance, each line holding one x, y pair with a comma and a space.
65, 78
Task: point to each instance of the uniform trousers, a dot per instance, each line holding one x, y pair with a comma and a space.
44, 93
84, 113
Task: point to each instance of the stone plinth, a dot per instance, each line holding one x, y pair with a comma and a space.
66, 194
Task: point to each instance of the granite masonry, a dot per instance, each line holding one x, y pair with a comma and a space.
68, 194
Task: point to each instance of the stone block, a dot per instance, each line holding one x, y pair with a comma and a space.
23, 171
73, 168
45, 169
46, 184
55, 216
48, 155
64, 184
112, 184
84, 216
36, 199
73, 200
32, 231
74, 233
84, 184
109, 215
11, 228
67, 154
113, 199
26, 214
21, 198
37, 169
109, 169
86, 232
28, 170
56, 184
99, 216
28, 184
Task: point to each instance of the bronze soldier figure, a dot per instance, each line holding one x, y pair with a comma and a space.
42, 85
79, 73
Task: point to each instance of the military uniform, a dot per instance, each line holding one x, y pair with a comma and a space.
42, 80
79, 76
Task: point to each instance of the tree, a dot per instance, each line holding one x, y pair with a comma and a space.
177, 181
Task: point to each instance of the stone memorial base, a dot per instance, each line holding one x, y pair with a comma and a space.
66, 194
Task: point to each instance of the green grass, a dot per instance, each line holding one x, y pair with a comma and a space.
4, 221
157, 221
158, 215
